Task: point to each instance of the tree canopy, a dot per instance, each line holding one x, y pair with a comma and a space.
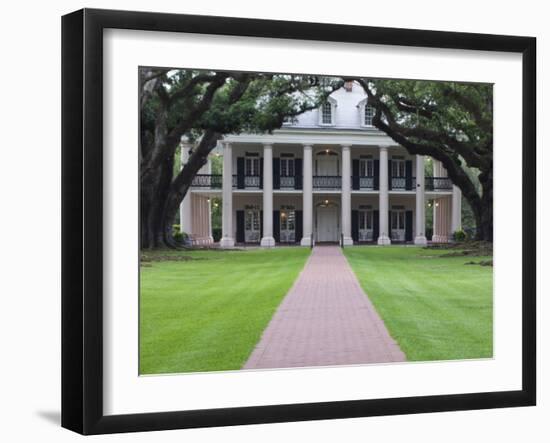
451, 122
205, 105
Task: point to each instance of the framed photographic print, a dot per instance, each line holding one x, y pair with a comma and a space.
270, 221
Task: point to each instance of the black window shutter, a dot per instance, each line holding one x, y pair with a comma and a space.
408, 226
240, 172
261, 174
355, 174
375, 225
355, 225
276, 173
389, 224
389, 175
240, 226
408, 175
276, 226
299, 233
298, 174
376, 165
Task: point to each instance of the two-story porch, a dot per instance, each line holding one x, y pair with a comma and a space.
278, 191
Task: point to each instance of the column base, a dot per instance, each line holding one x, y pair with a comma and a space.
384, 240
306, 241
440, 239
420, 240
267, 242
348, 241
227, 242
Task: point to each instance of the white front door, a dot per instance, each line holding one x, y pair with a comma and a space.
327, 224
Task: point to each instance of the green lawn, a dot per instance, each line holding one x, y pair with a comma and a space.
208, 313
436, 308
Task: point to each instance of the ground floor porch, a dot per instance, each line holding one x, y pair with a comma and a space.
400, 224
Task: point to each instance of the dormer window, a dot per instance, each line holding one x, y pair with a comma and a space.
369, 115
326, 112
366, 113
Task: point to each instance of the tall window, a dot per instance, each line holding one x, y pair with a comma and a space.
398, 167
326, 110
287, 165
366, 167
398, 220
287, 224
252, 165
369, 115
252, 223
365, 220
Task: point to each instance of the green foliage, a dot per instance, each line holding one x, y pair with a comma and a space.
217, 234
216, 208
461, 111
468, 219
178, 235
449, 121
267, 102
216, 163
459, 236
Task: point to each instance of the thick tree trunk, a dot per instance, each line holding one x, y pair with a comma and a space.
153, 196
485, 224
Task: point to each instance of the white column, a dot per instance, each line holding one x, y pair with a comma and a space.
420, 238
383, 202
227, 240
456, 217
209, 201
186, 224
267, 239
346, 195
307, 185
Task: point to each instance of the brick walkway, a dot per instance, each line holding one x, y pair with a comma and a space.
325, 319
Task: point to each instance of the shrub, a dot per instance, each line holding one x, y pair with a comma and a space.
459, 235
217, 234
179, 236
429, 233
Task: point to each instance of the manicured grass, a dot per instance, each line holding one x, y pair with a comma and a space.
208, 313
435, 308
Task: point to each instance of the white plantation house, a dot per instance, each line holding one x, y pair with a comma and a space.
328, 176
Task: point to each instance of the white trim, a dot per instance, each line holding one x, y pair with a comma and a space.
317, 136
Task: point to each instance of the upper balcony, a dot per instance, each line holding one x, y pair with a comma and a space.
321, 182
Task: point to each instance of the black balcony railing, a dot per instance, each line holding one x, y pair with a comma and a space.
214, 181
403, 183
360, 182
438, 184
247, 181
287, 182
327, 182
207, 181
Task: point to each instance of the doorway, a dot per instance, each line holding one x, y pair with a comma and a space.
327, 223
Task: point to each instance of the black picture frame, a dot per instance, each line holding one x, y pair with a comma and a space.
82, 218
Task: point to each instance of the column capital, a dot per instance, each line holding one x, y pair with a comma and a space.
307, 145
226, 145
267, 145
346, 145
